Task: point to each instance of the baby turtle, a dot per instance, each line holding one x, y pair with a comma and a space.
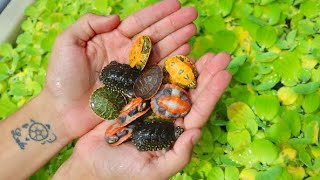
171, 102
140, 51
120, 77
133, 110
155, 135
107, 103
181, 71
148, 83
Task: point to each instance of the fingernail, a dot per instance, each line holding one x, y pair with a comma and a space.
195, 138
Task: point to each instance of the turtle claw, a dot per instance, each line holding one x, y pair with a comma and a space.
112, 139
119, 136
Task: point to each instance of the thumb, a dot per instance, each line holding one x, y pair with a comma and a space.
177, 158
89, 25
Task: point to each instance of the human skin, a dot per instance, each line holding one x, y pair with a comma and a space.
61, 111
93, 158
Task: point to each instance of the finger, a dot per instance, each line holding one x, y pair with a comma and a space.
204, 103
170, 24
100, 129
88, 26
142, 19
172, 42
213, 65
179, 122
182, 50
174, 160
200, 64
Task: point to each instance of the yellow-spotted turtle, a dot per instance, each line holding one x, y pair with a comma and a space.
155, 135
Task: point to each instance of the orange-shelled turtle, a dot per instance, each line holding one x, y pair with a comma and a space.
181, 71
139, 52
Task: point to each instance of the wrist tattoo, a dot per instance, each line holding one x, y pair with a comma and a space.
33, 131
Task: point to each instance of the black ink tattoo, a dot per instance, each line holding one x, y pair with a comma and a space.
16, 134
34, 131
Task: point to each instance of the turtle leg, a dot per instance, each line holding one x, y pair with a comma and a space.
178, 131
113, 129
127, 118
112, 139
120, 136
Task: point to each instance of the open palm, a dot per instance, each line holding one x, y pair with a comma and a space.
93, 41
99, 160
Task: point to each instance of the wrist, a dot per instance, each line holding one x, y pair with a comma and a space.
74, 113
34, 134
50, 113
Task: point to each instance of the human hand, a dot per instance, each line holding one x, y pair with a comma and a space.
93, 158
82, 51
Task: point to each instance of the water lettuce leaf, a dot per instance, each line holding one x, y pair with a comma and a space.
231, 173
293, 120
264, 151
266, 36
266, 107
239, 138
307, 88
279, 132
241, 116
6, 106
311, 102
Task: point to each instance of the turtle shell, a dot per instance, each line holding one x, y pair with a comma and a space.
155, 135
148, 83
149, 116
181, 71
119, 77
139, 52
171, 102
107, 103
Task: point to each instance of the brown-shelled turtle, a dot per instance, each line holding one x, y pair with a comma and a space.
155, 135
149, 82
139, 52
181, 71
119, 77
171, 102
118, 131
107, 103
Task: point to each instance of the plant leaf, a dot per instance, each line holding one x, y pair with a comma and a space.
231, 173
239, 138
242, 116
266, 36
311, 102
307, 88
266, 107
